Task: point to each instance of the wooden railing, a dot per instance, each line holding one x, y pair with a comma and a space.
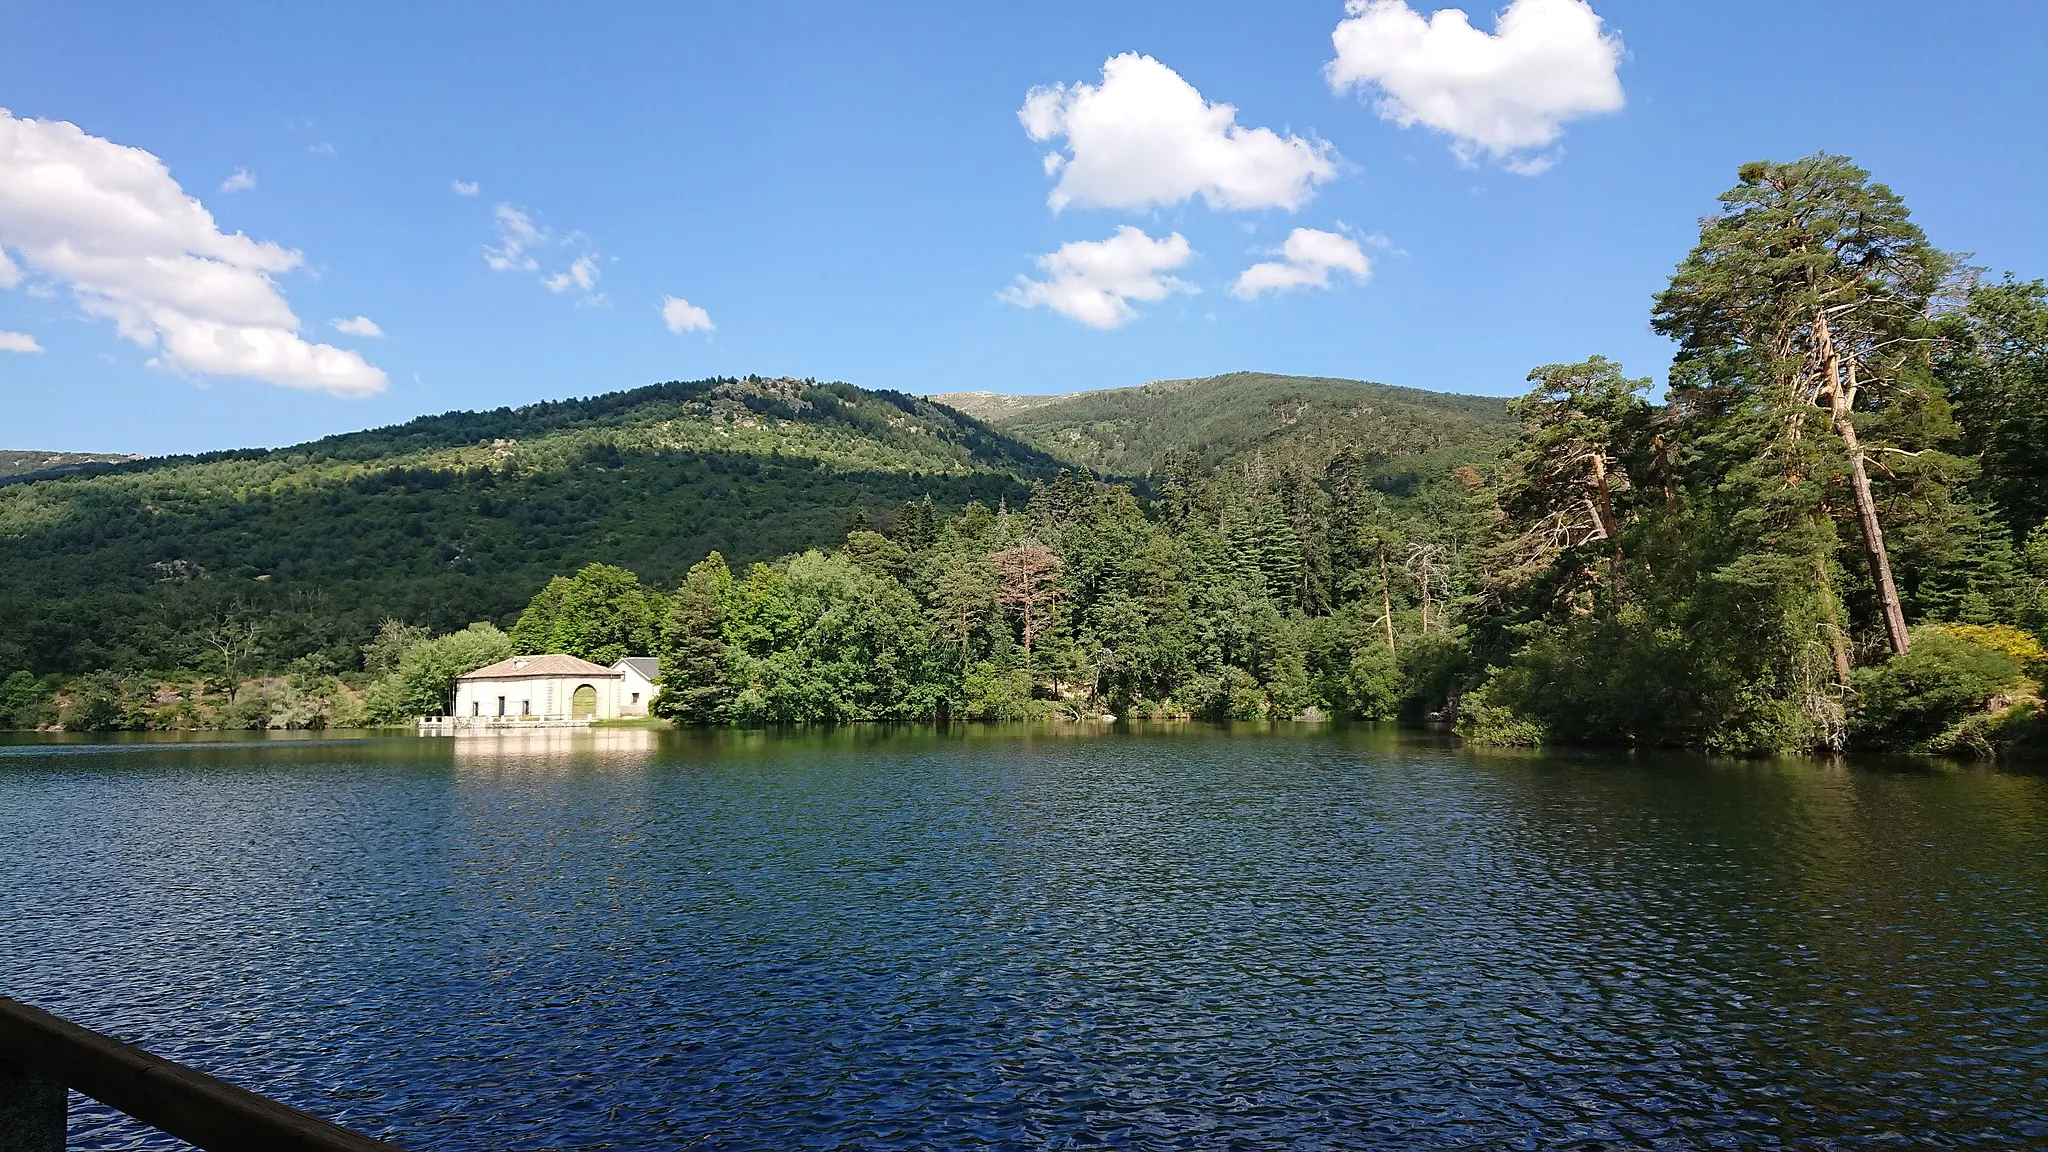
42, 1055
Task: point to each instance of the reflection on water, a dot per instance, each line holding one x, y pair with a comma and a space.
990, 938
551, 747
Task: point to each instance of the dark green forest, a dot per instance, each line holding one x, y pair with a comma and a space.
1826, 532
458, 517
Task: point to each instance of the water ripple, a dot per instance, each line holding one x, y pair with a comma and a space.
985, 940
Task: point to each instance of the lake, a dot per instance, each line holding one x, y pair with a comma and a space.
1177, 938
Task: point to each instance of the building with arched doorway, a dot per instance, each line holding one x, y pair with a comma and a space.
535, 689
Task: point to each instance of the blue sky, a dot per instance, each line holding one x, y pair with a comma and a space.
848, 192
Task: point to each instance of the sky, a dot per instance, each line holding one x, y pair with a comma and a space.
240, 224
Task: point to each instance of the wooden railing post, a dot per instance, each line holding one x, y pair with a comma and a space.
32, 1112
185, 1102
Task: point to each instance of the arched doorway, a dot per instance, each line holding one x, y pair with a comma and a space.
583, 702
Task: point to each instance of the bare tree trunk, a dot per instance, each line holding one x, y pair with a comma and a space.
1387, 600
1841, 400
1838, 644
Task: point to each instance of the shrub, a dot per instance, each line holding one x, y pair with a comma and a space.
992, 693
25, 702
1482, 721
1910, 701
2019, 644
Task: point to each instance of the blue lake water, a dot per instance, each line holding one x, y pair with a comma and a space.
995, 939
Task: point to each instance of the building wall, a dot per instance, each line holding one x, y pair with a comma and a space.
633, 684
542, 697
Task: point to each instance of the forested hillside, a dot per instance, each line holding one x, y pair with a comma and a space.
1403, 435
457, 517
1831, 535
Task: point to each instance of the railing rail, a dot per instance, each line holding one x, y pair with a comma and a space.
41, 1055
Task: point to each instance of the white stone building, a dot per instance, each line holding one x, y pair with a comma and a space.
537, 688
637, 690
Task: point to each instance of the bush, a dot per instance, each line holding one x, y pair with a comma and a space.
991, 693
425, 677
1909, 702
2021, 645
1374, 687
1482, 721
25, 702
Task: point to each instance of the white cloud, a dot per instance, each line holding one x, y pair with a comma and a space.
1307, 259
1094, 281
682, 316
516, 233
18, 342
10, 273
1145, 137
464, 187
580, 276
323, 148
519, 237
359, 326
1507, 94
111, 222
240, 180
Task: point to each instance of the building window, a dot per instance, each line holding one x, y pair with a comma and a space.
526, 707
475, 707
501, 705
636, 697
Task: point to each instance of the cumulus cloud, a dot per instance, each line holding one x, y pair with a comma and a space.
240, 180
358, 326
18, 342
1094, 281
464, 188
1507, 94
579, 276
1145, 137
136, 250
682, 316
1306, 261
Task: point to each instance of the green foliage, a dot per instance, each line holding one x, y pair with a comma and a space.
1910, 701
991, 693
26, 702
1994, 361
601, 614
464, 516
1411, 436
423, 681
1481, 720
694, 687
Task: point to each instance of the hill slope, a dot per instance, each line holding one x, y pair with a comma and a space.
1406, 433
462, 516
17, 465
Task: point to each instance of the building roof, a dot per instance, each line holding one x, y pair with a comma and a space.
554, 664
646, 666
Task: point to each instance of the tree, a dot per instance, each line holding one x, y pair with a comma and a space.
600, 614
236, 639
382, 653
963, 595
1812, 287
424, 679
1994, 362
1566, 468
1025, 577
1426, 564
694, 685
